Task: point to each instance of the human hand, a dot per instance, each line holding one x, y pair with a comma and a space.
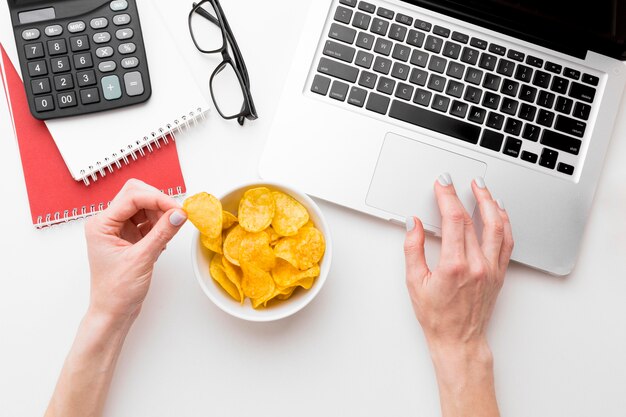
123, 244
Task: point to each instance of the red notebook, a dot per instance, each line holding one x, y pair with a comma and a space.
54, 196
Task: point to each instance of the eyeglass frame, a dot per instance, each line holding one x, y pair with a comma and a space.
237, 62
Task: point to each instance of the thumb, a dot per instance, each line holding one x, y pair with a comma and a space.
415, 258
162, 232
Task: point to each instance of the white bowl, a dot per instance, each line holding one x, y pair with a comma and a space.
201, 258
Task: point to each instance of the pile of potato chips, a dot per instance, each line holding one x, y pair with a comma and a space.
265, 252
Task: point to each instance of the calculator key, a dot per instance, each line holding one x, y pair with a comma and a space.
43, 104
60, 64
86, 78
34, 50
79, 43
99, 23
83, 61
63, 82
107, 66
102, 37
131, 62
127, 48
89, 96
53, 30
111, 87
134, 83
118, 5
58, 47
124, 34
104, 52
121, 19
37, 68
40, 86
66, 100
76, 27
31, 34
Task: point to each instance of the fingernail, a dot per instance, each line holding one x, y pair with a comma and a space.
480, 182
410, 224
177, 218
500, 204
445, 179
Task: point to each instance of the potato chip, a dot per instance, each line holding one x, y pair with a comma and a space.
303, 250
216, 269
274, 237
255, 250
228, 220
205, 212
286, 275
212, 243
257, 284
232, 243
290, 215
234, 274
256, 209
285, 294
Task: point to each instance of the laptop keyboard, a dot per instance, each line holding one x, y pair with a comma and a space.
501, 100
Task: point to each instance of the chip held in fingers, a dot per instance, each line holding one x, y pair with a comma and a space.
266, 252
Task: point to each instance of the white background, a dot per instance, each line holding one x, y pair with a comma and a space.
357, 350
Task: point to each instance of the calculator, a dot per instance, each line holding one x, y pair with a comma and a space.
80, 56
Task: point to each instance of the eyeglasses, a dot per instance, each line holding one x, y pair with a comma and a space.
229, 84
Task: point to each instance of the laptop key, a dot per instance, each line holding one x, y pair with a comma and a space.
460, 37
478, 43
488, 61
523, 73
492, 82
418, 77
367, 7
436, 82
477, 115
441, 31
534, 61
454, 89
531, 132
320, 84
473, 94
350, 3
377, 103
582, 92
357, 96
552, 67
542, 79
491, 100
565, 169
339, 91
338, 70
546, 99
368, 79
495, 120
365, 41
545, 118
364, 59
415, 38
343, 15
564, 105
437, 122
512, 147
383, 46
400, 71
342, 52
455, 70
509, 87
404, 19
548, 158
582, 111
452, 50
385, 85
398, 32
571, 73
559, 85
492, 140
386, 13
382, 65
513, 126
516, 55
401, 52
419, 58
433, 44
342, 33
528, 93
470, 56
590, 79
561, 142
473, 76
422, 97
380, 27
361, 20
529, 157
570, 126
497, 49
437, 64
509, 106
404, 91
506, 67
527, 112
422, 25
441, 103
459, 109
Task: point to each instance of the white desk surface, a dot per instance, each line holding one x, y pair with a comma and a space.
357, 350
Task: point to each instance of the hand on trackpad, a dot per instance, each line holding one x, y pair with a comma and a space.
406, 171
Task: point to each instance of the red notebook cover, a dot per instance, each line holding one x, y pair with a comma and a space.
53, 194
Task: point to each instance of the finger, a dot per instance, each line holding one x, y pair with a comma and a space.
493, 228
414, 256
454, 217
139, 218
144, 229
508, 242
130, 233
154, 216
136, 196
162, 232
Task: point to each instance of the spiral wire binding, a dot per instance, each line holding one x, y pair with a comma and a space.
138, 149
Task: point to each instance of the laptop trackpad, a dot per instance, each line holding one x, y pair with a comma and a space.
403, 183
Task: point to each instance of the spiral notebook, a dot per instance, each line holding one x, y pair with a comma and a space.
53, 195
95, 145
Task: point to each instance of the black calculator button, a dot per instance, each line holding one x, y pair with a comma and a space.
34, 50
86, 78
54, 30
99, 23
57, 47
102, 37
66, 100
63, 82
104, 52
121, 19
40, 86
60, 65
133, 83
107, 66
119, 5
131, 62
79, 43
31, 34
127, 48
76, 27
89, 96
111, 87
37, 68
124, 34
43, 104
83, 61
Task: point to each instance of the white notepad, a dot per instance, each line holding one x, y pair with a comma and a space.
94, 144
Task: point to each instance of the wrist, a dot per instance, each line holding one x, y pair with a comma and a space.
461, 363
107, 323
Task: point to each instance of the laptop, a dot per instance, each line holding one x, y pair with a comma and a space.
384, 96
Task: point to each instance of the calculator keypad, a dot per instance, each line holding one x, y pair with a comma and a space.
92, 62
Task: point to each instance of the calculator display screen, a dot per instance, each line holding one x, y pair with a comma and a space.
37, 15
